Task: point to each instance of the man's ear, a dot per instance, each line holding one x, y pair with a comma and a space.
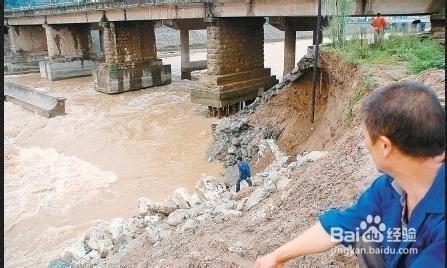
386, 145
440, 158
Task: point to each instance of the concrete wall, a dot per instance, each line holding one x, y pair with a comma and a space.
129, 42
30, 38
68, 41
235, 45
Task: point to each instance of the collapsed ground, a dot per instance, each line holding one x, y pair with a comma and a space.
215, 226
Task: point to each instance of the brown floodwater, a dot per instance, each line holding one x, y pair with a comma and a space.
63, 173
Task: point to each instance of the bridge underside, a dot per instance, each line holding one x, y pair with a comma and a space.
116, 43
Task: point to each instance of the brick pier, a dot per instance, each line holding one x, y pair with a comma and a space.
235, 64
131, 61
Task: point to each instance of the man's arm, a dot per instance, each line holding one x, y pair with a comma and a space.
313, 240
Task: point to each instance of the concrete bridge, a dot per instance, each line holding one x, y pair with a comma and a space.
126, 58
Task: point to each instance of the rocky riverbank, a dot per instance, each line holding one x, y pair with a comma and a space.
300, 170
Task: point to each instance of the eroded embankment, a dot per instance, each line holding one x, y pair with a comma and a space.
216, 227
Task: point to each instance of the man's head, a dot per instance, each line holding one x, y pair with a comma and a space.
403, 120
239, 159
378, 15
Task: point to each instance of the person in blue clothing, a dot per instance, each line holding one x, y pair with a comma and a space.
399, 221
244, 173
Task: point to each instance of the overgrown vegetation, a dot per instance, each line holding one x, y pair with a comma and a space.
420, 52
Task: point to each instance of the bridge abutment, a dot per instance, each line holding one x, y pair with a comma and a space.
70, 52
131, 58
235, 64
28, 46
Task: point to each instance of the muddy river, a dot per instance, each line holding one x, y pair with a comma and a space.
62, 174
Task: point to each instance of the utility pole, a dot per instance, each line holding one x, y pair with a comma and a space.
314, 78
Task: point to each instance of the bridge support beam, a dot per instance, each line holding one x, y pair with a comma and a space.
131, 58
185, 60
289, 51
70, 52
28, 47
235, 64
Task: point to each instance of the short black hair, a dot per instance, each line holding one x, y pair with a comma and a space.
410, 115
378, 14
239, 158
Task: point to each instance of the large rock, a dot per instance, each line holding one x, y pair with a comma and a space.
146, 206
99, 238
256, 197
181, 198
188, 225
212, 189
245, 192
75, 252
121, 233
177, 217
158, 233
91, 259
303, 159
197, 198
151, 220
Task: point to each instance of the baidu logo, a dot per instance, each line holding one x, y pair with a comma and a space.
372, 229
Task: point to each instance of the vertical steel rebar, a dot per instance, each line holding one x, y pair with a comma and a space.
314, 78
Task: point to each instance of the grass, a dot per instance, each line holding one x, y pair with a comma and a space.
420, 52
367, 85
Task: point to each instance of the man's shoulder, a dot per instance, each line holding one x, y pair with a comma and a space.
383, 181
382, 186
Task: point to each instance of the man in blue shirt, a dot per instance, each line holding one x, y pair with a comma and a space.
399, 221
244, 173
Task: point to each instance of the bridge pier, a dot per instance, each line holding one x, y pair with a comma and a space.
70, 52
131, 58
184, 26
28, 47
289, 51
235, 64
185, 60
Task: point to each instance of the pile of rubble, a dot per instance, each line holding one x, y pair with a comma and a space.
182, 212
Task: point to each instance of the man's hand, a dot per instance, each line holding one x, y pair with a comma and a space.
268, 261
313, 240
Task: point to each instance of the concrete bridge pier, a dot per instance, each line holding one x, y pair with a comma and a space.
131, 58
235, 72
28, 45
289, 51
290, 25
185, 60
70, 52
184, 26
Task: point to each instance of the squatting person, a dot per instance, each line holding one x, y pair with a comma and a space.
244, 173
402, 214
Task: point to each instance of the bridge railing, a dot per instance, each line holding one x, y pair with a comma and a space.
77, 5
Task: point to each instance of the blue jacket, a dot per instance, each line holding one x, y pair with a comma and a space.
427, 220
244, 170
